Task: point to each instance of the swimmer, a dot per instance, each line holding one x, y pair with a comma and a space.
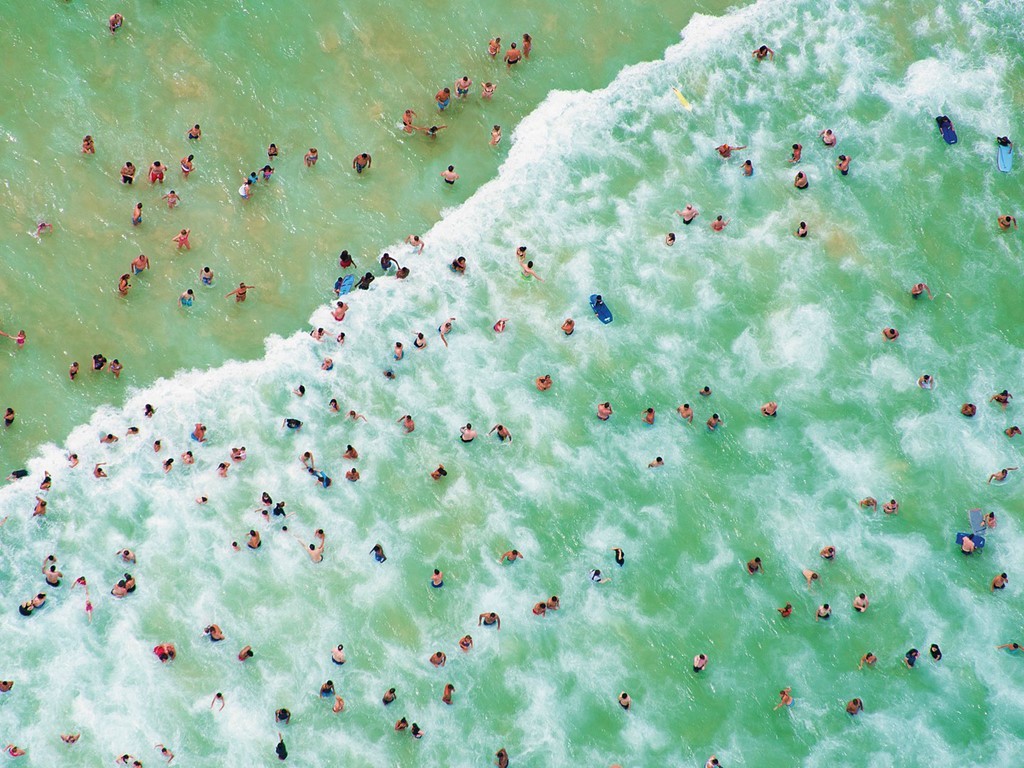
253, 541
70, 738
407, 117
1005, 222
416, 731
245, 653
442, 99
501, 758
597, 578
352, 475
378, 553
327, 364
527, 45
493, 47
9, 419
186, 299
182, 240
568, 326
625, 701
172, 198
891, 507
726, 150
853, 706
860, 603
362, 162
648, 416
828, 138
462, 87
194, 133
338, 313
440, 472
389, 696
890, 334
123, 285
459, 265
868, 658
770, 408
747, 168
467, 433
910, 659
88, 146
187, 165
115, 22
240, 292
543, 384
919, 288
437, 579
499, 327
1010, 647
844, 164
238, 454
486, 92
797, 152
214, 632
503, 433
137, 215
869, 502
311, 157
700, 661
407, 422
714, 422
512, 56
786, 610
416, 242
156, 172
686, 412
670, 239
926, 382
444, 330
604, 411
1000, 476
338, 654
432, 130
824, 612
689, 213
450, 176
402, 724
164, 752
718, 225
810, 575
465, 644
127, 173
1012, 431
785, 700
446, 697
139, 263
206, 276
801, 231
620, 556
350, 453
935, 652
760, 54
1003, 398
755, 565
800, 182
438, 658
658, 462
199, 433
828, 552
490, 619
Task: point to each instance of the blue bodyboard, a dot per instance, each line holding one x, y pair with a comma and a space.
979, 541
946, 129
1005, 158
346, 284
601, 310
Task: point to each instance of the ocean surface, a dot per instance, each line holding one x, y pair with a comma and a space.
597, 156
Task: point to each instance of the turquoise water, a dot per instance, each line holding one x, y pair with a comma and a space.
590, 184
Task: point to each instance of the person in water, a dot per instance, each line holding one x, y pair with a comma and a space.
762, 52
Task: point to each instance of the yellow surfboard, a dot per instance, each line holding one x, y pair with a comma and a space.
682, 100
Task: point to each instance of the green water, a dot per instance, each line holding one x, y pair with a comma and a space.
590, 186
